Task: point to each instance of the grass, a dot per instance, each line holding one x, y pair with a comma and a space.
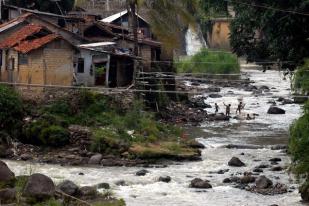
210, 63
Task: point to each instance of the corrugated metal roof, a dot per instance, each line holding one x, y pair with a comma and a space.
112, 18
20, 35
98, 44
27, 46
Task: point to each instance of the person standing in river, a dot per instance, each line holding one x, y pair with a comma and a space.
216, 108
240, 107
227, 109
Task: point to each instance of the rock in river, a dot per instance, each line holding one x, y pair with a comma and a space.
95, 159
275, 110
215, 96
200, 184
236, 162
68, 187
166, 179
141, 173
39, 187
263, 182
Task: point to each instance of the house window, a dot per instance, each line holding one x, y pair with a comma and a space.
23, 59
80, 65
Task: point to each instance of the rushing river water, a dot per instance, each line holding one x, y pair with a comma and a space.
265, 130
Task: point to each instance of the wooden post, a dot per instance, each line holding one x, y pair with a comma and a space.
107, 70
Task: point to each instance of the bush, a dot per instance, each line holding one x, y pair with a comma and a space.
210, 63
11, 110
54, 136
42, 133
301, 78
299, 143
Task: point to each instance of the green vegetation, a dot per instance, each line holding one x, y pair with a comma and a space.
210, 63
11, 112
301, 78
114, 130
299, 148
281, 36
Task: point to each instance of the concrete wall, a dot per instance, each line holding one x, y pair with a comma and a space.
218, 38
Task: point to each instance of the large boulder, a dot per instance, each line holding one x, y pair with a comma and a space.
247, 179
95, 159
263, 182
7, 196
68, 187
200, 184
275, 110
7, 177
39, 187
236, 162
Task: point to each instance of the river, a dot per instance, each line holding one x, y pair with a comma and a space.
265, 130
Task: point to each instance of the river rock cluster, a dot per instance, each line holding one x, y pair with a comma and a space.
37, 188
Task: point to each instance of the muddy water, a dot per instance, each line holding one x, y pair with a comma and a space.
265, 130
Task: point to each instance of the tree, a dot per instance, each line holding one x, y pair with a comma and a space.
267, 30
167, 19
45, 5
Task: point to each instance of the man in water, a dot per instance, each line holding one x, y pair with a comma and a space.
240, 107
217, 108
227, 109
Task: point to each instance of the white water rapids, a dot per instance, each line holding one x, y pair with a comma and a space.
264, 130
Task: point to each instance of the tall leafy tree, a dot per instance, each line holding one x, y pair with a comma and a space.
267, 30
168, 18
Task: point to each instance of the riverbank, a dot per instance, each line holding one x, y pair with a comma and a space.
87, 128
254, 142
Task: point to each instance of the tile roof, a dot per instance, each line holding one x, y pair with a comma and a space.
20, 35
27, 46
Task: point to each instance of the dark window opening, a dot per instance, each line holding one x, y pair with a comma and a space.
23, 59
80, 65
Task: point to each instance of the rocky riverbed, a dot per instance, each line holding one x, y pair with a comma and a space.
257, 175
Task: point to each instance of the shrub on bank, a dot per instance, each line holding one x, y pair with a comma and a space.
299, 149
210, 62
11, 110
42, 133
301, 78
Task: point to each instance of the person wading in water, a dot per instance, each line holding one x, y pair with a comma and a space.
240, 107
217, 108
227, 109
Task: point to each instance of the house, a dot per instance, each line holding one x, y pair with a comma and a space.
149, 49
35, 55
70, 23
19, 22
107, 65
218, 37
122, 19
